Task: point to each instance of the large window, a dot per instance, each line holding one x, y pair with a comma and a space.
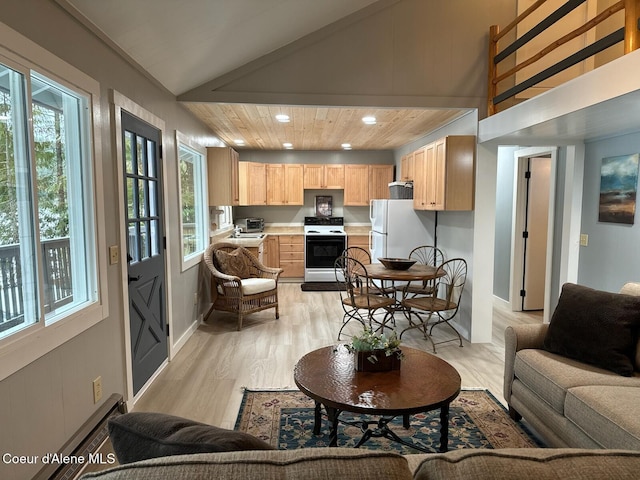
47, 240
194, 210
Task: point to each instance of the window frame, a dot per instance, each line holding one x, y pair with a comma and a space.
193, 259
36, 340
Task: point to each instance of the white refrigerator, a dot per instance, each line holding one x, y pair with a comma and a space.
396, 228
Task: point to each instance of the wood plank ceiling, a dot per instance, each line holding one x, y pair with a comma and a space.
319, 128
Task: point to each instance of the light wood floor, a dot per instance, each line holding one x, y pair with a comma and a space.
205, 380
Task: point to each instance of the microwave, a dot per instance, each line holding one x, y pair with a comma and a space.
248, 225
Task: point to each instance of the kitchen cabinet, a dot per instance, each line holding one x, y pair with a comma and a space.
406, 167
445, 174
284, 184
419, 175
271, 253
252, 183
320, 176
257, 252
356, 185
379, 178
361, 241
223, 176
291, 255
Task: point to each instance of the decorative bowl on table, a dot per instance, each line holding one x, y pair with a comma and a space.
397, 263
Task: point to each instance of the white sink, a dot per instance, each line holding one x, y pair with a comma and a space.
247, 235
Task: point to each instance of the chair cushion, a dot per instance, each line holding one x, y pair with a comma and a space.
142, 435
232, 263
251, 286
595, 327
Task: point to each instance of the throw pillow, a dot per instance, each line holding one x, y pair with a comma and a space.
142, 435
232, 263
595, 327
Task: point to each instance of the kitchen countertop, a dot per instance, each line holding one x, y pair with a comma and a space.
278, 230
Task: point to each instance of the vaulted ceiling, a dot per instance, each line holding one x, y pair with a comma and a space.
184, 44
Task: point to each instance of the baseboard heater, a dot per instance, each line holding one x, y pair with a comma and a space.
85, 442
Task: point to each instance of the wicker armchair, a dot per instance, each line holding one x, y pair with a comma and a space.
240, 284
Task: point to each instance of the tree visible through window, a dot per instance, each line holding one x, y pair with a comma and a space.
62, 233
193, 202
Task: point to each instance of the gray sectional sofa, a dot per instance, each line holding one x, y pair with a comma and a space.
574, 402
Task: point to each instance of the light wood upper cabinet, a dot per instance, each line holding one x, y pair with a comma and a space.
445, 174
320, 176
222, 167
379, 178
419, 169
253, 183
334, 176
406, 167
284, 184
356, 185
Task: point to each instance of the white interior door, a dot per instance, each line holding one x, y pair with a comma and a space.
537, 219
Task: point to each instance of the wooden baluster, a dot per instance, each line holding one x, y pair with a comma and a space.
492, 86
631, 31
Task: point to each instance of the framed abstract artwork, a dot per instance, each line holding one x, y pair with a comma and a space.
618, 188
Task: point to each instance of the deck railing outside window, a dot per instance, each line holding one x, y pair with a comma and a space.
57, 276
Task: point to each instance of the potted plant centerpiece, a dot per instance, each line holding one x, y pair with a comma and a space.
375, 352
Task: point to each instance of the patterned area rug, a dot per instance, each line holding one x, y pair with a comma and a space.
284, 418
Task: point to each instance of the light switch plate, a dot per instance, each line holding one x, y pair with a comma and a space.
584, 239
114, 254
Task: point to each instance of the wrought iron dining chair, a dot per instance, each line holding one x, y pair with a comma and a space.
442, 306
425, 255
360, 298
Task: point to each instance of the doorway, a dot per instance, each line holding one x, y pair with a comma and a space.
142, 178
532, 232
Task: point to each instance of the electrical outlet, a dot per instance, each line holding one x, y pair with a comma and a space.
97, 389
584, 239
195, 298
114, 254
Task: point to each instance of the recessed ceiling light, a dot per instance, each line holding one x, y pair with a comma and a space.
282, 118
288, 145
369, 120
346, 146
239, 142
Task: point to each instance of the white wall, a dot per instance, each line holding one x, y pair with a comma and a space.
47, 401
612, 257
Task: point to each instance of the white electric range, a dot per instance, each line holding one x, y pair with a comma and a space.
324, 241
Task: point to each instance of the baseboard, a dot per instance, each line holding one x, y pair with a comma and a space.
84, 444
177, 346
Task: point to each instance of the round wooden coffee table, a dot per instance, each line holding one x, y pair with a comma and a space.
423, 383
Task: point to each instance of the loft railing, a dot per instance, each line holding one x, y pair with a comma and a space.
56, 257
629, 34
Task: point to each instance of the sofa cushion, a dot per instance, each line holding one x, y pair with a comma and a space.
610, 416
600, 328
141, 435
232, 263
306, 463
550, 375
530, 464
